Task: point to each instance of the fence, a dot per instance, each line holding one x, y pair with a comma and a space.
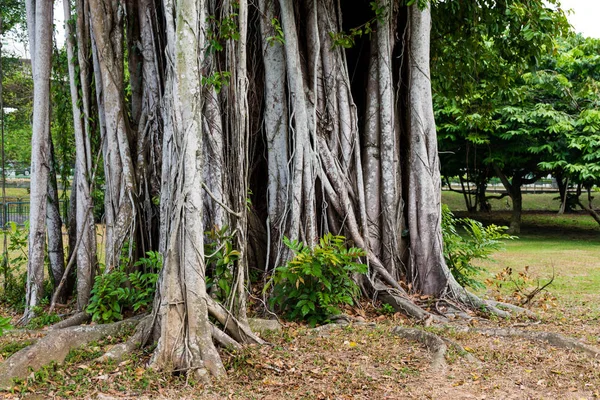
18, 212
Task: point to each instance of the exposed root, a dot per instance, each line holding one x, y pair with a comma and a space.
552, 338
461, 350
463, 296
513, 309
74, 320
435, 344
118, 351
238, 331
54, 347
224, 339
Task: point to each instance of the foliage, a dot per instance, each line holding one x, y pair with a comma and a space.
42, 318
217, 80
107, 296
5, 324
317, 280
116, 291
277, 37
386, 309
477, 242
13, 266
12, 347
348, 40
219, 258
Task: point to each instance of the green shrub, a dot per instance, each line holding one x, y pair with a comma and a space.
13, 261
4, 324
219, 256
317, 280
117, 291
477, 242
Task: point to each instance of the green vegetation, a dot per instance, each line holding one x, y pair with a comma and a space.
475, 242
317, 280
117, 291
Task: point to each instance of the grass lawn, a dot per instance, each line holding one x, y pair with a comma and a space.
537, 202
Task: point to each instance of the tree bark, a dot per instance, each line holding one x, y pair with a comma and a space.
39, 25
56, 252
185, 334
428, 267
84, 218
120, 196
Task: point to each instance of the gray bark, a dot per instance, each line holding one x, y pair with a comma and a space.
428, 268
185, 332
39, 25
120, 200
84, 218
56, 252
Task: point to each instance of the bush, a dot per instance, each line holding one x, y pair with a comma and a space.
117, 291
477, 242
317, 280
13, 261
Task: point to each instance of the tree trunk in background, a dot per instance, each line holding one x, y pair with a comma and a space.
56, 252
120, 200
39, 26
513, 187
84, 218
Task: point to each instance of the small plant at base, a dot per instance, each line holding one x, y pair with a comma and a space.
220, 257
4, 324
386, 309
477, 243
107, 296
42, 318
115, 291
317, 280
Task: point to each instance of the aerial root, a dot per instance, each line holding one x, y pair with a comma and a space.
224, 339
434, 343
76, 319
513, 308
552, 338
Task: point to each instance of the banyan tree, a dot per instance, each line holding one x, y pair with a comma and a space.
272, 118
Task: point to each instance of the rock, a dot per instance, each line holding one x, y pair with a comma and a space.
263, 325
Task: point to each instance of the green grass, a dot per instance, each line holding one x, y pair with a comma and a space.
574, 262
534, 202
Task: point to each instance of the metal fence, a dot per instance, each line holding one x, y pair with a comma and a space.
18, 212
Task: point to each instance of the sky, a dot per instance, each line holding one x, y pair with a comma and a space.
584, 17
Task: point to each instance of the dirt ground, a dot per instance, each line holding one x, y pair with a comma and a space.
363, 360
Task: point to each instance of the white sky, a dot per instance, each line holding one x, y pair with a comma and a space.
584, 17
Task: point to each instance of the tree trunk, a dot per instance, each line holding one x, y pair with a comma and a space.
56, 252
185, 335
428, 267
39, 25
120, 196
84, 218
513, 188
